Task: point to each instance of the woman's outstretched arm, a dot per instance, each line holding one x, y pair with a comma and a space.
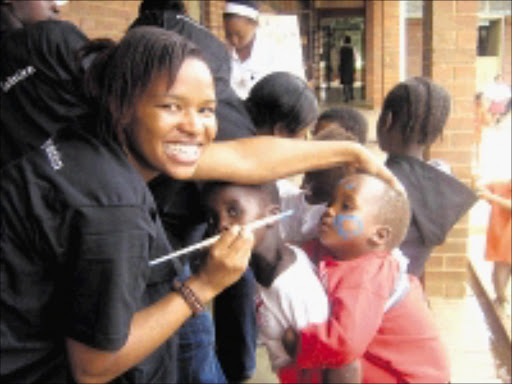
264, 158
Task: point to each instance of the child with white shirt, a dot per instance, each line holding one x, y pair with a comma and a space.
288, 292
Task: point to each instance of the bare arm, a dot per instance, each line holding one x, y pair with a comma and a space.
153, 325
492, 198
265, 158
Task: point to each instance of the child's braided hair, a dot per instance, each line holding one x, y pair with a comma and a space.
419, 108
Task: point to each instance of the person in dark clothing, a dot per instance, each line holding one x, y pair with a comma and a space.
176, 199
79, 298
40, 77
346, 68
413, 116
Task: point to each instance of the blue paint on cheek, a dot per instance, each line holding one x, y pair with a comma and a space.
339, 223
349, 187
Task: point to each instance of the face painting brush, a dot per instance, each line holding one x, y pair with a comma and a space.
209, 241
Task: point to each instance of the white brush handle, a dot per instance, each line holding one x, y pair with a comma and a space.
209, 241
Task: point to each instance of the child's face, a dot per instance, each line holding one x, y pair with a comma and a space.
348, 224
234, 205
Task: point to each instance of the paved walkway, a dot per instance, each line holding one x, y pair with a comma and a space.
475, 355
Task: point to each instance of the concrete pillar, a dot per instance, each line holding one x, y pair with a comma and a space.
449, 59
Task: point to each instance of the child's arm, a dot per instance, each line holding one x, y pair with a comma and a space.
355, 318
492, 198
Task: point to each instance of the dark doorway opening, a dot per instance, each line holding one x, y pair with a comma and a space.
333, 28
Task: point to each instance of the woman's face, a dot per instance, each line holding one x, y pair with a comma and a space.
239, 31
32, 11
172, 126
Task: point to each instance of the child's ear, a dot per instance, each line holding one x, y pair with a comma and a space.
385, 121
381, 235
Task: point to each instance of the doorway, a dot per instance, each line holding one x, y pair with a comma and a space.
332, 30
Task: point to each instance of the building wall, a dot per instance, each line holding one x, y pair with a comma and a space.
450, 60
101, 18
414, 30
507, 59
382, 49
213, 11
339, 4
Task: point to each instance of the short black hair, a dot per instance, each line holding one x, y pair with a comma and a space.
268, 191
281, 97
419, 108
162, 5
348, 118
121, 72
322, 183
392, 209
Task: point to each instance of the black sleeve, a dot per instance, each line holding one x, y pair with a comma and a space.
109, 274
43, 89
60, 41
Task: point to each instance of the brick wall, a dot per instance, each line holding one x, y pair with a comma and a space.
101, 18
414, 31
373, 54
507, 60
213, 11
280, 5
382, 49
391, 46
450, 60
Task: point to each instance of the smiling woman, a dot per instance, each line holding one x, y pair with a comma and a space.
81, 235
153, 112
176, 124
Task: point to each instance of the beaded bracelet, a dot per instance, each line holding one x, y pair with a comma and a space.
189, 296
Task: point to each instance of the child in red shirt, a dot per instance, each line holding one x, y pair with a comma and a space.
393, 343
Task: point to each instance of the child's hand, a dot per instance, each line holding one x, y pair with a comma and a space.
481, 192
289, 341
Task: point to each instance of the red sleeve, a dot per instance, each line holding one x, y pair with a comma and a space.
356, 315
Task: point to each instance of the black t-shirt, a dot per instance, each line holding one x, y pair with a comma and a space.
79, 226
41, 87
437, 200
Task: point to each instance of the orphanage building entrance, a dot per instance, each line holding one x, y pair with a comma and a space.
333, 26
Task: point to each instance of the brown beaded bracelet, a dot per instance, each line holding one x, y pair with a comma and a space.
189, 296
